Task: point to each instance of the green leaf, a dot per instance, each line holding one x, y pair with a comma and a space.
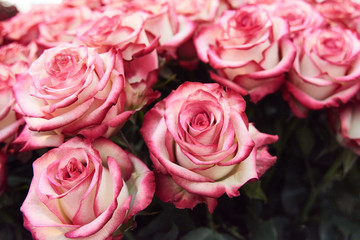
253, 190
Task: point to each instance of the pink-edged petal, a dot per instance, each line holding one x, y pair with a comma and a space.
107, 219
30, 140
141, 186
42, 124
168, 191
28, 104
107, 148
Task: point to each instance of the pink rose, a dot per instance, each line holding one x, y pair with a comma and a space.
71, 89
326, 70
249, 49
23, 27
339, 12
124, 30
85, 190
164, 23
3, 176
200, 11
344, 121
202, 146
299, 15
10, 121
61, 26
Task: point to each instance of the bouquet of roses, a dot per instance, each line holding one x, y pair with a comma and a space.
127, 109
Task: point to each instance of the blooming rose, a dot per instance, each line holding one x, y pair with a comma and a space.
164, 23
326, 70
3, 176
71, 89
201, 11
124, 30
85, 190
23, 27
202, 145
249, 49
299, 15
339, 12
61, 26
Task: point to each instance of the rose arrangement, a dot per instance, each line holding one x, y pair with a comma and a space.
122, 111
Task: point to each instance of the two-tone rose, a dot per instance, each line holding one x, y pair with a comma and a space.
249, 49
202, 145
86, 190
71, 89
326, 70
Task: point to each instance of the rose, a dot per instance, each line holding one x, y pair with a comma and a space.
71, 89
9, 120
249, 49
164, 23
339, 12
299, 15
344, 121
3, 176
326, 69
202, 146
14, 59
61, 26
201, 11
85, 190
124, 30
23, 27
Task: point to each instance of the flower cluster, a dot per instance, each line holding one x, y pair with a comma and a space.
73, 74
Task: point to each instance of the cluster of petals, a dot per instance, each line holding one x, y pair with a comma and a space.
202, 145
86, 190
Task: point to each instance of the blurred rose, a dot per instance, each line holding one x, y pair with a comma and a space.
345, 123
14, 59
24, 27
326, 70
339, 12
202, 145
299, 15
71, 89
61, 26
200, 11
249, 49
3, 175
85, 190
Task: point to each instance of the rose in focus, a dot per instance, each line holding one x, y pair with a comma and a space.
202, 146
85, 190
71, 89
249, 49
326, 70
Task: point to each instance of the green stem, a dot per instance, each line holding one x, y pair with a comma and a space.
327, 178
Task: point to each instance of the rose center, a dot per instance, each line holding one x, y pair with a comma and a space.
71, 171
61, 65
200, 121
